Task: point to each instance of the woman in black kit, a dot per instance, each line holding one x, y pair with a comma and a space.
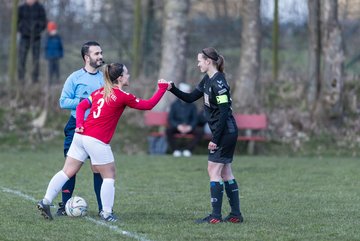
217, 105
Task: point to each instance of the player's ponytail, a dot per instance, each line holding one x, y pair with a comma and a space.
217, 59
111, 72
220, 63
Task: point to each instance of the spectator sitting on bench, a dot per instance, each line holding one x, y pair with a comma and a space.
202, 123
183, 119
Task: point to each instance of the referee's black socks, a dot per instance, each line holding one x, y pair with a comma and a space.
232, 191
98, 180
216, 193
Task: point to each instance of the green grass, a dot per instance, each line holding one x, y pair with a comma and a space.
158, 197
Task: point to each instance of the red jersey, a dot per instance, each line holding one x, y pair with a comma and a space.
104, 116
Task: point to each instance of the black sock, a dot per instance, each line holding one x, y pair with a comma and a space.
98, 180
68, 189
232, 191
216, 192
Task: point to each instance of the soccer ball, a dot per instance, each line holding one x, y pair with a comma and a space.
76, 207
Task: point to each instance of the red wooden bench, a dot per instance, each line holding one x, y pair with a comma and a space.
160, 119
251, 123
251, 127
156, 119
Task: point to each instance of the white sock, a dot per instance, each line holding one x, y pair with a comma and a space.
55, 185
107, 194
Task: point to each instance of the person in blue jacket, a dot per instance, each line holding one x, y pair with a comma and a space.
78, 86
53, 52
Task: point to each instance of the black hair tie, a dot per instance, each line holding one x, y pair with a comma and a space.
210, 56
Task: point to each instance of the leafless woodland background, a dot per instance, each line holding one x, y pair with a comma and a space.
303, 73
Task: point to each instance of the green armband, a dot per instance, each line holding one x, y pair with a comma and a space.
221, 99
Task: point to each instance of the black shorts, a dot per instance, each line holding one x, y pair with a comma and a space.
225, 151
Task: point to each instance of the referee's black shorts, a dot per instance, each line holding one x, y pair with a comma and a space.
225, 151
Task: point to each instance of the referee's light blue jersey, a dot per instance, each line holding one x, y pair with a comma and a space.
80, 84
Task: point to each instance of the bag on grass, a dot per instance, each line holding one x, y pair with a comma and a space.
157, 145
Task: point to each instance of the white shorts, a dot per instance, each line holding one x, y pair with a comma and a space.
83, 147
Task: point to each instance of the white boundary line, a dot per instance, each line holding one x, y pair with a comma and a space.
111, 227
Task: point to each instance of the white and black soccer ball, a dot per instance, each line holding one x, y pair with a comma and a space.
76, 207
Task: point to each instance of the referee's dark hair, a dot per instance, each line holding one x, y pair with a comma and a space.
217, 59
86, 46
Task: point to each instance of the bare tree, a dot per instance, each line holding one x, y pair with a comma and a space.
329, 105
118, 27
275, 67
150, 39
246, 90
173, 59
12, 54
314, 61
136, 53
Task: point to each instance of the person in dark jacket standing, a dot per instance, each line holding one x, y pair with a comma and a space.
31, 23
53, 52
183, 119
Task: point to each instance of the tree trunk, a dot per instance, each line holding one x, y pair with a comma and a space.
136, 54
275, 38
330, 104
13, 54
246, 88
149, 38
314, 61
173, 61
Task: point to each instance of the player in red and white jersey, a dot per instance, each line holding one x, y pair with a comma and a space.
103, 118
94, 134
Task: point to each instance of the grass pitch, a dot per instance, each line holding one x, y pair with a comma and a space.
159, 197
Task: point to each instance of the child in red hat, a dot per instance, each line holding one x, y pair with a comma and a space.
51, 26
53, 52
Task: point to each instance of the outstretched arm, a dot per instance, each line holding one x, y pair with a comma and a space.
150, 103
187, 97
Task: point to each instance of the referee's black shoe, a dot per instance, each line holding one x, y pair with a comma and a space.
231, 218
209, 219
61, 210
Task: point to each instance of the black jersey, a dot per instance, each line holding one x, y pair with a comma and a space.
217, 105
